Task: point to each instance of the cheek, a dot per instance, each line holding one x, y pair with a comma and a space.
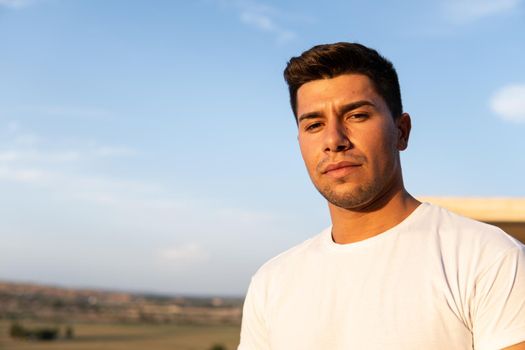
387, 148
385, 139
309, 155
378, 147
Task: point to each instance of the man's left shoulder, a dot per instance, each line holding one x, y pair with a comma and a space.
466, 241
469, 231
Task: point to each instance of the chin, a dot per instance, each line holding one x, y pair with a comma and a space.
351, 198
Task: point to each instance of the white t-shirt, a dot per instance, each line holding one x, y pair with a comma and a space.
435, 281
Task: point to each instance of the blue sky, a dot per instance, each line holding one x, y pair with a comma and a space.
149, 145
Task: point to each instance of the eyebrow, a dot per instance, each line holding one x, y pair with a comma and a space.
342, 110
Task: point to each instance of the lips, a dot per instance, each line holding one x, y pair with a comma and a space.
340, 168
339, 165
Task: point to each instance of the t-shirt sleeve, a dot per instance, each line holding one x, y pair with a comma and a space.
499, 313
254, 330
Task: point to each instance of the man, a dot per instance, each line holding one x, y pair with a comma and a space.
391, 272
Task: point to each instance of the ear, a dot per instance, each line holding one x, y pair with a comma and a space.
404, 125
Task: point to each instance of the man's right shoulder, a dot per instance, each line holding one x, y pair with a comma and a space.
292, 257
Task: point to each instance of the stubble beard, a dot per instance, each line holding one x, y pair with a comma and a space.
360, 195
355, 198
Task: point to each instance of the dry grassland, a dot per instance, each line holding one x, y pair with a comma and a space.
131, 337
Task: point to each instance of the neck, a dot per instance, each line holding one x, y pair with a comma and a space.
349, 226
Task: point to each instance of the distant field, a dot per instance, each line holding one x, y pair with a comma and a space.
131, 337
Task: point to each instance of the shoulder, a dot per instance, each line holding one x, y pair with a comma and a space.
291, 258
466, 239
462, 229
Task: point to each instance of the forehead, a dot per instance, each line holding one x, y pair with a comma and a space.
343, 89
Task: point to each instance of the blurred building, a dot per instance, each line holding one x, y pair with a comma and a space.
506, 213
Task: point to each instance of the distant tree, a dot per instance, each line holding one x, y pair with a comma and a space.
58, 304
45, 333
18, 331
70, 332
218, 347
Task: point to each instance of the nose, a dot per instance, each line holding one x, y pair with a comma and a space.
336, 137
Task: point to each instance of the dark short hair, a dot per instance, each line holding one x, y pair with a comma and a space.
331, 60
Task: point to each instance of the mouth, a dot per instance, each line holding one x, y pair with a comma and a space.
340, 169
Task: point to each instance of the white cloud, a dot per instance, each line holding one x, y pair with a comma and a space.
258, 20
112, 151
12, 3
13, 127
34, 176
266, 23
21, 161
152, 229
264, 18
184, 255
27, 139
21, 137
24, 147
471, 10
37, 156
15, 3
9, 156
509, 103
74, 112
243, 216
92, 152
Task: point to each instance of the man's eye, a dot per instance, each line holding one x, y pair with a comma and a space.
358, 116
313, 126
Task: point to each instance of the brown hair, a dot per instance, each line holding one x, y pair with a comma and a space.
331, 60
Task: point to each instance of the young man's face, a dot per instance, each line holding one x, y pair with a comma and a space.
349, 141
